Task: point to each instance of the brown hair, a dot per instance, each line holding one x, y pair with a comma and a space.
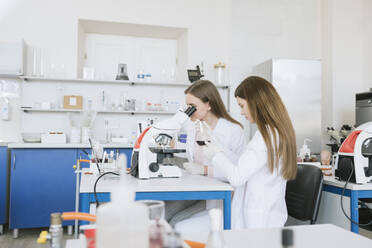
269, 113
206, 91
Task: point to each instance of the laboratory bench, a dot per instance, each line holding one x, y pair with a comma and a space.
330, 206
306, 236
188, 187
43, 181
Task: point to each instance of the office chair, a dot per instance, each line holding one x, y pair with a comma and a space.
303, 194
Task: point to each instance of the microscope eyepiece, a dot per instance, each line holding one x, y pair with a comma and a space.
190, 110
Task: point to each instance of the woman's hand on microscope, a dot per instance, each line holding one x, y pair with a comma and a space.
194, 168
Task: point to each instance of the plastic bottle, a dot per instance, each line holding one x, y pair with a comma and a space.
305, 150
123, 222
215, 238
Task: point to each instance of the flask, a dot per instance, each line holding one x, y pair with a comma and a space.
305, 150
215, 238
122, 222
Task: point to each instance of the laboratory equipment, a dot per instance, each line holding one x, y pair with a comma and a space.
363, 107
13, 58
122, 72
219, 73
31, 137
194, 74
122, 222
298, 82
305, 150
354, 159
337, 137
87, 118
55, 234
152, 154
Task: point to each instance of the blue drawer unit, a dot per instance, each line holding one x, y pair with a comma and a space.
42, 182
3, 186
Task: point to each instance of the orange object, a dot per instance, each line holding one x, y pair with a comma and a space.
139, 140
194, 244
348, 145
78, 216
84, 160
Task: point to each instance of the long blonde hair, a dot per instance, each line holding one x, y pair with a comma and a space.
206, 91
269, 113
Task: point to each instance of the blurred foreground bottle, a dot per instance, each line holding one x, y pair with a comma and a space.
123, 222
215, 238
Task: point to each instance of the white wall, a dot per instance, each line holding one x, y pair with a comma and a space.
346, 54
53, 26
272, 29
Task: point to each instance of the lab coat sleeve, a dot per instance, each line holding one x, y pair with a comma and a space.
234, 149
237, 145
251, 161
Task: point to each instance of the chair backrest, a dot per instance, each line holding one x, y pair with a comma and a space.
303, 194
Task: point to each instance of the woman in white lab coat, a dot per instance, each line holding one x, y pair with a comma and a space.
269, 160
211, 111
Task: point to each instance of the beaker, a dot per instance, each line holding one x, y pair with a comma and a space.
219, 71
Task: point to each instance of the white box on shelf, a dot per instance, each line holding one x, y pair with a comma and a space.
12, 59
53, 138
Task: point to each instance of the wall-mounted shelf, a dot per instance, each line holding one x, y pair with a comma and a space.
133, 83
29, 110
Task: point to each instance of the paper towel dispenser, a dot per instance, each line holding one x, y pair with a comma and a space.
12, 58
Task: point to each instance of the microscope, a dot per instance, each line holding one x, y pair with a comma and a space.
354, 159
152, 155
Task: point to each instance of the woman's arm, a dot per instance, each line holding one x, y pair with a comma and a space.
251, 161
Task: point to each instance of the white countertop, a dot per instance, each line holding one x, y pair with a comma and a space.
307, 236
68, 145
330, 180
186, 183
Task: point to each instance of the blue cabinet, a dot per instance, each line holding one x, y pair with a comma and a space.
3, 184
42, 182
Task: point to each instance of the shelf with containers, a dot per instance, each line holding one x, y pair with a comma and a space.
133, 83
38, 118
122, 82
26, 110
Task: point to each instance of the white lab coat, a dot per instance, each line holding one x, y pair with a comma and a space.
230, 137
259, 197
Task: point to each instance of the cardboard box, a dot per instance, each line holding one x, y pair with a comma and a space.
72, 102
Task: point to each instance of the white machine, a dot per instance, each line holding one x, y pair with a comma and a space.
354, 160
152, 155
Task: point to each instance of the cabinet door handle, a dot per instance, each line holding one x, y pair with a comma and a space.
14, 162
